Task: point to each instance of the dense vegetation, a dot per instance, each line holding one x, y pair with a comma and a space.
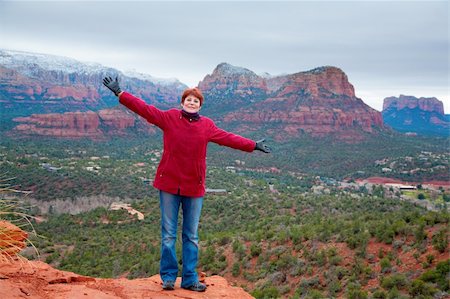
271, 233
86, 168
277, 244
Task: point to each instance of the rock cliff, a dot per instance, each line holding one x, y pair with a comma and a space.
416, 115
319, 102
411, 102
94, 125
57, 82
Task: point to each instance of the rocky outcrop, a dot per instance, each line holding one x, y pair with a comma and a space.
237, 79
230, 87
58, 82
411, 102
21, 278
94, 125
117, 119
322, 82
12, 240
39, 90
70, 124
318, 102
423, 116
32, 279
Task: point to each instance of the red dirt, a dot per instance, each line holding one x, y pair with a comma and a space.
31, 279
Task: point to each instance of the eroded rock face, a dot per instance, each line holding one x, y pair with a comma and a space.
94, 125
69, 124
12, 240
237, 79
32, 279
319, 102
411, 102
416, 115
29, 83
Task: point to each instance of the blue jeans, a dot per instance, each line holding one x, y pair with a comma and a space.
192, 207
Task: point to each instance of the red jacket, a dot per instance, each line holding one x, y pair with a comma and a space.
182, 169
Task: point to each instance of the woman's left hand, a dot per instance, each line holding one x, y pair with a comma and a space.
261, 146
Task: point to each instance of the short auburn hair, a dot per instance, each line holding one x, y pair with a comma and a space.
194, 92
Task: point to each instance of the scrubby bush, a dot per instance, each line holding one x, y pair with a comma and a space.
438, 275
395, 280
266, 293
440, 240
420, 288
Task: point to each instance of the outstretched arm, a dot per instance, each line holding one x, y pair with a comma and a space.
149, 112
228, 139
225, 138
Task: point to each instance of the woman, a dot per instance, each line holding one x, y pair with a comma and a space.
180, 176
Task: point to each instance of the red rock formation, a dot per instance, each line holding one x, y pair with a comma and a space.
70, 124
39, 85
318, 102
77, 92
115, 118
31, 279
17, 85
94, 125
225, 76
408, 114
325, 81
411, 102
12, 240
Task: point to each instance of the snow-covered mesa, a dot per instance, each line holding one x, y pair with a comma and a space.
24, 61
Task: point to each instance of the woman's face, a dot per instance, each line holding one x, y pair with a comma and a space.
191, 104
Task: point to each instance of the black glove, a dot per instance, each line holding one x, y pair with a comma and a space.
260, 146
113, 85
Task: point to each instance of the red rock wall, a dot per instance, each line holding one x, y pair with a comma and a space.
319, 102
78, 124
410, 102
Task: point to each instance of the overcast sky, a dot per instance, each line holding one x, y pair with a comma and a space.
386, 48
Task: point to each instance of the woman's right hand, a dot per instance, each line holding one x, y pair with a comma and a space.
113, 85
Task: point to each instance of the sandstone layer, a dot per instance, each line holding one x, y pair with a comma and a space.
37, 280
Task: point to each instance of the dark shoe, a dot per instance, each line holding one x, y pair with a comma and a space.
196, 287
168, 285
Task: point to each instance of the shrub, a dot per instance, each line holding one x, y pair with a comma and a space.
335, 260
395, 280
255, 250
438, 275
385, 265
421, 288
266, 292
356, 293
314, 294
277, 278
440, 240
333, 287
236, 269
379, 294
420, 234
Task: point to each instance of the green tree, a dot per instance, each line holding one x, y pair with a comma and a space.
440, 240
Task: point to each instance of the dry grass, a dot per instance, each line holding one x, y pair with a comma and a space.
15, 224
